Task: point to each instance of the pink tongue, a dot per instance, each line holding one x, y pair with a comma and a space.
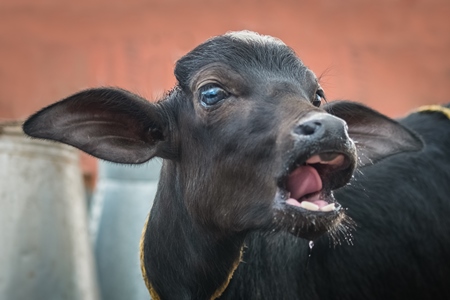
304, 180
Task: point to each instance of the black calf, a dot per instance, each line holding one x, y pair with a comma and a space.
400, 248
251, 161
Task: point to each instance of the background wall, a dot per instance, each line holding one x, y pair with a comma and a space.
390, 54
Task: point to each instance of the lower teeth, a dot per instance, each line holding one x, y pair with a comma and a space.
309, 206
313, 207
328, 207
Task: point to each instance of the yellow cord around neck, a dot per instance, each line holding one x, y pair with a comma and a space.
223, 287
152, 292
154, 295
434, 108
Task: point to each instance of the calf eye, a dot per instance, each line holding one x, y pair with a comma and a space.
318, 98
212, 94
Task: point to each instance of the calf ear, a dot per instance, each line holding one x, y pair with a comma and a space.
375, 135
111, 124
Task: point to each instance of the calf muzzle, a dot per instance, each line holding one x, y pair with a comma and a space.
321, 126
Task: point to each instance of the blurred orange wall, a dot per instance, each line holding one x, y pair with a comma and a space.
393, 55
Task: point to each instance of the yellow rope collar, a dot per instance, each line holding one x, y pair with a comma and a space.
222, 288
152, 292
154, 295
434, 108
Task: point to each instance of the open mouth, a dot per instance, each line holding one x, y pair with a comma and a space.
309, 185
305, 201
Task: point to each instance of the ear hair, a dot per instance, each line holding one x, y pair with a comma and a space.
109, 123
375, 135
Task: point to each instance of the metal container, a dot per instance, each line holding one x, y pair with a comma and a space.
121, 203
45, 250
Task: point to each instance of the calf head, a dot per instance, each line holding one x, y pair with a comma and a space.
246, 140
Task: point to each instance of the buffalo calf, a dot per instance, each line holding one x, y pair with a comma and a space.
267, 192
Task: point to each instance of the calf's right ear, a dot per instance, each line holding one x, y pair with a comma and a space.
108, 123
375, 135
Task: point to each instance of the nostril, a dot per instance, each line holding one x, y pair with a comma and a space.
308, 128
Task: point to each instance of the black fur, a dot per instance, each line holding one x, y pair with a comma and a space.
226, 167
400, 248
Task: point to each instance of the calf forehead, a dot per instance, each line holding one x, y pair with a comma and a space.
245, 52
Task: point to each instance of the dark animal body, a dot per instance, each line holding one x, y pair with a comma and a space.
255, 167
400, 248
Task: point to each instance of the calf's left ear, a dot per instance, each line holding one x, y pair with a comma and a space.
108, 123
375, 135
